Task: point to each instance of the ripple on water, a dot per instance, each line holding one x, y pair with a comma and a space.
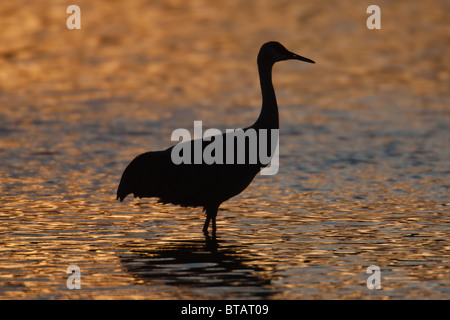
364, 157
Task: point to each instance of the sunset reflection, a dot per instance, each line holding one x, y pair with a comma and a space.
364, 150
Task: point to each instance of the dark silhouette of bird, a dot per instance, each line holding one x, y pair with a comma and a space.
154, 173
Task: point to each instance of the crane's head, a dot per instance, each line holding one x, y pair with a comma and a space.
273, 51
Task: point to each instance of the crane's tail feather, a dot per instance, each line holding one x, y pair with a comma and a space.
121, 193
141, 175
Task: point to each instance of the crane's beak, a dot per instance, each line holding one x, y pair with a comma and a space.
297, 57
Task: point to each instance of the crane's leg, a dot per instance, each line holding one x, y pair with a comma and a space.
211, 213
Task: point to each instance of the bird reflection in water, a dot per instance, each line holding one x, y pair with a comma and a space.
197, 263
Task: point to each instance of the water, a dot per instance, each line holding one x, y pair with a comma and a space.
364, 155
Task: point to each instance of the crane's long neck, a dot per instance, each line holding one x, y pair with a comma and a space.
268, 118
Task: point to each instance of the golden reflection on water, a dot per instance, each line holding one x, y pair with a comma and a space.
364, 161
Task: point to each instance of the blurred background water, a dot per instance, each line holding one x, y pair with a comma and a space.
364, 155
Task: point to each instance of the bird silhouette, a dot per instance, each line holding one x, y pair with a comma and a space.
154, 173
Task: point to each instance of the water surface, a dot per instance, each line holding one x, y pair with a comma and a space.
364, 154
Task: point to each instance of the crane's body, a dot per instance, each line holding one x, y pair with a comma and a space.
154, 174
